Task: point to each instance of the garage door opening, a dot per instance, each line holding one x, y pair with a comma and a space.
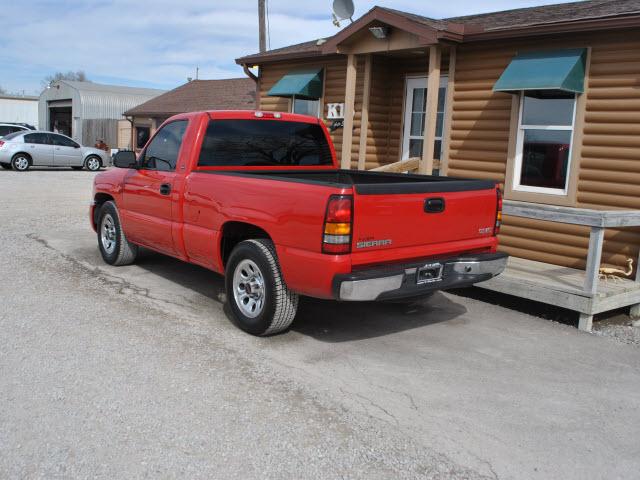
60, 120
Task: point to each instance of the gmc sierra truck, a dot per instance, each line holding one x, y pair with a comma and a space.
259, 198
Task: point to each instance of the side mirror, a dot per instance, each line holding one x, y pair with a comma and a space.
125, 159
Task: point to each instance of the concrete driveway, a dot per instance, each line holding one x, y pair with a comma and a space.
136, 372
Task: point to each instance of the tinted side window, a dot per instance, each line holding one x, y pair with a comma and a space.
11, 136
63, 141
162, 152
39, 138
264, 143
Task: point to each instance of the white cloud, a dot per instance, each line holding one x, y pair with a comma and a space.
160, 43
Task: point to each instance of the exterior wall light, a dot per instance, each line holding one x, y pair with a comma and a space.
379, 32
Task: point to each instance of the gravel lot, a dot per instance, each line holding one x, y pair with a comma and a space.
136, 372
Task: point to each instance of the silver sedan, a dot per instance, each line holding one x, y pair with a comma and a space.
21, 150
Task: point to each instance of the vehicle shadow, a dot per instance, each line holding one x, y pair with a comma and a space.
324, 320
334, 322
190, 276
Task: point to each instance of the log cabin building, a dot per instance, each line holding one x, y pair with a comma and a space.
544, 100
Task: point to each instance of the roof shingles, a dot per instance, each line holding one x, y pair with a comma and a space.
199, 95
504, 20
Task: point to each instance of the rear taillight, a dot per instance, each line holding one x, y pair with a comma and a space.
496, 229
336, 236
1, 143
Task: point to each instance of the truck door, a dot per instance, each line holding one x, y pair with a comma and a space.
148, 191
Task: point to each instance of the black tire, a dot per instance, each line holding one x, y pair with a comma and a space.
279, 304
21, 162
115, 248
5, 166
93, 163
76, 168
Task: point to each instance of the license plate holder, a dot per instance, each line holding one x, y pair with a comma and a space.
429, 273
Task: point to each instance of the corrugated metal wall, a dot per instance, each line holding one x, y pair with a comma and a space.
19, 110
609, 170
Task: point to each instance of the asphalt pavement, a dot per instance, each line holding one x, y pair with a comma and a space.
136, 372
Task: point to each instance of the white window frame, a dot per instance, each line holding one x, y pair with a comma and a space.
318, 110
520, 147
406, 129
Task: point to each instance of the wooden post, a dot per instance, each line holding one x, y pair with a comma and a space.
262, 28
596, 239
634, 311
364, 120
433, 85
448, 109
349, 105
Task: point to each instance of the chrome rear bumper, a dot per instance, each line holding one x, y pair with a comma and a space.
416, 279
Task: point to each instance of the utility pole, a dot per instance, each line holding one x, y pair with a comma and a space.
262, 26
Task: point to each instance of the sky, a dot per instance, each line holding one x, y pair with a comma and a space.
159, 43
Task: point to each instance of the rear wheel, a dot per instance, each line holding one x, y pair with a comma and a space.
5, 166
92, 163
259, 299
21, 162
114, 246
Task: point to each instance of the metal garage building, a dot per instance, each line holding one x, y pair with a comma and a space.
88, 111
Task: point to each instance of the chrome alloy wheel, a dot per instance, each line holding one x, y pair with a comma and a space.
93, 164
108, 234
21, 163
248, 288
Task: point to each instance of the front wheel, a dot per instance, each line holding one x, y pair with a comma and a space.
260, 302
92, 164
114, 246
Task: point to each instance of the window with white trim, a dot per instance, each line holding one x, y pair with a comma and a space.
544, 142
305, 106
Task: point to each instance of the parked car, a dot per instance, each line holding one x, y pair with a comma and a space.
7, 128
259, 197
21, 150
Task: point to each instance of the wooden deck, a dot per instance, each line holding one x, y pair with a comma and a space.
563, 287
581, 291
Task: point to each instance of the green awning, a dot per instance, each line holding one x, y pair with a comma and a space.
305, 83
550, 70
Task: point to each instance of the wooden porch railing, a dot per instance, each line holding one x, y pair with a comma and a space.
411, 165
598, 220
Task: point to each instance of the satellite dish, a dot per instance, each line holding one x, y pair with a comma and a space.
342, 9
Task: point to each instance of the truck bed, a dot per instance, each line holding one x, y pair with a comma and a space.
367, 182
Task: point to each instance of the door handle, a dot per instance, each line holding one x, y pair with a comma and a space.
165, 189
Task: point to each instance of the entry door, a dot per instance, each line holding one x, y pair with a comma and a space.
147, 192
415, 107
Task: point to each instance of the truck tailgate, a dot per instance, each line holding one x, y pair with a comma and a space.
395, 221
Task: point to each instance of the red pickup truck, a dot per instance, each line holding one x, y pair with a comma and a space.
259, 197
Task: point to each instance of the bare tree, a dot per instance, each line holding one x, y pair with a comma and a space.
78, 76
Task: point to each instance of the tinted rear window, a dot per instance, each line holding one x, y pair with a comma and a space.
263, 143
12, 135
